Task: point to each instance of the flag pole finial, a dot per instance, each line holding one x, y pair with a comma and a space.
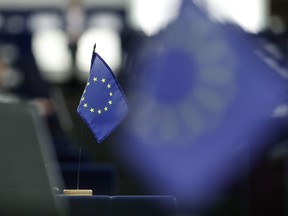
94, 48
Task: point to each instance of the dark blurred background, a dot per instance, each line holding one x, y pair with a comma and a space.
45, 51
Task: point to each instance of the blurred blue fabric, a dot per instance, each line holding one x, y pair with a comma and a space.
103, 105
202, 102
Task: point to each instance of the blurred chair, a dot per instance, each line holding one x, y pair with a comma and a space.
27, 164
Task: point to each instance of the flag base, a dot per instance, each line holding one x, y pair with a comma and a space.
77, 192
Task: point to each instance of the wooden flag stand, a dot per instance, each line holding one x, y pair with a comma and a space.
77, 192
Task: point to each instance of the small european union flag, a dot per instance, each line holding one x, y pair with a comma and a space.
103, 105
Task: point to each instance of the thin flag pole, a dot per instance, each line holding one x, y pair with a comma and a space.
82, 132
79, 156
93, 56
94, 48
71, 192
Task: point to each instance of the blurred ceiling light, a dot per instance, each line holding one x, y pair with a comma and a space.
1, 21
277, 25
251, 15
15, 24
152, 16
104, 3
108, 45
41, 21
110, 20
50, 48
9, 53
30, 4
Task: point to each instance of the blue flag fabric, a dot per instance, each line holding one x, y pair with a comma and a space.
103, 105
202, 102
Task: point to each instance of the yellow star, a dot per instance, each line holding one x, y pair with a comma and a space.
103, 80
92, 110
85, 105
95, 79
99, 111
111, 94
108, 86
110, 102
88, 83
84, 91
83, 98
105, 109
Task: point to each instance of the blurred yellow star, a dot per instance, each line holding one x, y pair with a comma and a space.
99, 111
103, 80
105, 109
91, 110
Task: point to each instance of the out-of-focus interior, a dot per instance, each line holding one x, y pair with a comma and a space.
206, 82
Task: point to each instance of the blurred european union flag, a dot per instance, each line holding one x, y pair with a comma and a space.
103, 105
202, 101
